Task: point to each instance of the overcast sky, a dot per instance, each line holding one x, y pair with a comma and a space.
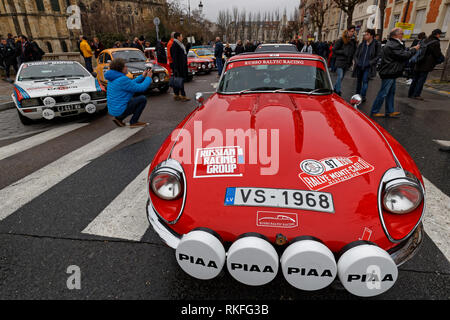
211, 7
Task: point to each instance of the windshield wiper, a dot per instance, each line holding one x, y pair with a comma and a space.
259, 89
135, 60
319, 90
309, 90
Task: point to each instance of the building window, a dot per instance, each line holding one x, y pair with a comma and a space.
420, 17
395, 19
40, 5
49, 47
55, 5
64, 46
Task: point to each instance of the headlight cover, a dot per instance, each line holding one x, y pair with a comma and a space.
402, 196
166, 183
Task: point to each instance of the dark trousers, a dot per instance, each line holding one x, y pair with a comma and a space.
135, 107
387, 92
362, 81
415, 89
177, 91
88, 64
8, 65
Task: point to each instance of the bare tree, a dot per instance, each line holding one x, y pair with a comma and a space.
317, 10
348, 6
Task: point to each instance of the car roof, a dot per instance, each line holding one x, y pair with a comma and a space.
274, 55
110, 50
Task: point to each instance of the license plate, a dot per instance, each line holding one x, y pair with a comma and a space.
280, 198
69, 107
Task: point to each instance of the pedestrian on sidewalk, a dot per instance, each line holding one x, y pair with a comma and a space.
343, 50
394, 57
228, 51
121, 90
8, 57
97, 46
87, 54
410, 65
431, 57
218, 53
24, 50
307, 48
239, 48
366, 58
180, 67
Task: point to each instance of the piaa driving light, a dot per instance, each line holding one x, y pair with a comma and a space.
166, 183
402, 196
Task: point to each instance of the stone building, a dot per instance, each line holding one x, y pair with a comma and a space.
45, 21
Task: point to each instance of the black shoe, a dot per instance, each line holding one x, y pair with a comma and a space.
118, 122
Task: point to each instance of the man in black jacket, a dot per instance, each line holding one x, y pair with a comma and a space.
180, 67
8, 57
343, 50
239, 48
433, 56
366, 59
394, 57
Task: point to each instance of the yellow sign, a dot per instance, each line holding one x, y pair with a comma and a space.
407, 29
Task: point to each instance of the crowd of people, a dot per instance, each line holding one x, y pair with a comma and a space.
14, 50
390, 58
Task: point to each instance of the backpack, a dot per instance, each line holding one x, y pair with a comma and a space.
421, 53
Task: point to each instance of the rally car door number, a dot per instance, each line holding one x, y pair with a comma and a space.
280, 198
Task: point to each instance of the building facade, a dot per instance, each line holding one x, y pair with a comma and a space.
426, 15
45, 21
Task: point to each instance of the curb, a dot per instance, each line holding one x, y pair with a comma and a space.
7, 106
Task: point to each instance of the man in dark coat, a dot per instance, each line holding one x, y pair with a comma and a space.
239, 48
180, 66
218, 54
8, 57
343, 50
161, 55
24, 50
366, 58
394, 57
433, 56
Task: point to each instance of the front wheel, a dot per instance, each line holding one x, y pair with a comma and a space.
25, 121
163, 89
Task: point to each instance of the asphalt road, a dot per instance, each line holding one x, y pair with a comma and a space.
44, 224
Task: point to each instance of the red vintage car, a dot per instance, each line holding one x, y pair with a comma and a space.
199, 65
274, 171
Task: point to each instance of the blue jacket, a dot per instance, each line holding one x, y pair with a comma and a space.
121, 89
218, 50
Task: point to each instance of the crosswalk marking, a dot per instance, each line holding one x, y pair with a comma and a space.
437, 217
124, 217
36, 140
23, 191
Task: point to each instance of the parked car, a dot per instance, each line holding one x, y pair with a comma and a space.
276, 47
49, 89
136, 62
199, 65
274, 170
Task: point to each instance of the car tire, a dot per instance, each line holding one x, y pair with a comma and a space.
163, 89
25, 121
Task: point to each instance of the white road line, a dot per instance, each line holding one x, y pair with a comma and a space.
36, 140
437, 217
23, 191
124, 217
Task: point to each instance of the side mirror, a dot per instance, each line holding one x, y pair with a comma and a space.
199, 98
355, 101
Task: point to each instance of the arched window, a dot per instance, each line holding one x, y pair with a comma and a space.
49, 47
55, 5
64, 46
40, 5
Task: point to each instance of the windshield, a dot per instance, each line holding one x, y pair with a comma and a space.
279, 74
52, 70
274, 48
130, 55
204, 52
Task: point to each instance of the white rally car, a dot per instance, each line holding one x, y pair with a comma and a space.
48, 89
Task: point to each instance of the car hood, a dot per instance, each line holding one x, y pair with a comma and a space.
290, 130
43, 88
136, 67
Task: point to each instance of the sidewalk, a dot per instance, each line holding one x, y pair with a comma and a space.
6, 89
434, 84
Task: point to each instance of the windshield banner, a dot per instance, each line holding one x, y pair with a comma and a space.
279, 62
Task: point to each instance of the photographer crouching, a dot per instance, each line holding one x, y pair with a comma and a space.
120, 94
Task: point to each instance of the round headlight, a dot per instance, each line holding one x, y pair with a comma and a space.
156, 79
402, 196
162, 76
166, 184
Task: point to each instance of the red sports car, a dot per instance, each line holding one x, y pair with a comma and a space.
199, 65
274, 171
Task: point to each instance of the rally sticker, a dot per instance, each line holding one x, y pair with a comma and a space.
219, 162
320, 174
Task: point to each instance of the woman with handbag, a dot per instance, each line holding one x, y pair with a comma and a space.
180, 67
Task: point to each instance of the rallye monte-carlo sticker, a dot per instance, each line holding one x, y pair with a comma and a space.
320, 174
219, 162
